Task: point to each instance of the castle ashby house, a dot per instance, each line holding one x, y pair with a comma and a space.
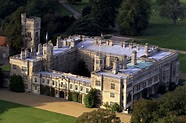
121, 71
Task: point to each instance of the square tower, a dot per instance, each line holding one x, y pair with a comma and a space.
31, 31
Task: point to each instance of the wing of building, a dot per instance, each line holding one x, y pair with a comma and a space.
121, 71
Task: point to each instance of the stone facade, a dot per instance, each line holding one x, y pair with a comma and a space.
31, 31
123, 72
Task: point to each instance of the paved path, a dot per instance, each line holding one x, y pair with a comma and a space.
71, 9
50, 104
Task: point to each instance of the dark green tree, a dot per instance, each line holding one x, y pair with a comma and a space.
144, 111
98, 116
84, 26
133, 17
16, 83
86, 10
7, 7
13, 29
91, 98
172, 9
105, 11
174, 103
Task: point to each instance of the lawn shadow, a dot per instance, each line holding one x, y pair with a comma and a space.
5, 106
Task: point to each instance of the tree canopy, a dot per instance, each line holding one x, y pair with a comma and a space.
13, 29
91, 98
133, 17
98, 116
172, 9
169, 109
16, 83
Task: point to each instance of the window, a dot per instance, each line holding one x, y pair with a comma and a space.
122, 86
43, 80
156, 78
97, 83
48, 81
138, 87
23, 69
52, 82
76, 87
14, 67
81, 88
150, 81
112, 86
87, 90
70, 86
35, 87
112, 95
61, 84
129, 85
29, 34
35, 79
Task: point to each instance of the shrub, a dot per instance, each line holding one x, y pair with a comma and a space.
16, 83
75, 96
115, 107
91, 98
162, 89
69, 96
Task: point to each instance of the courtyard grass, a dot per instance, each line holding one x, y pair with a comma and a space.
16, 113
163, 33
5, 68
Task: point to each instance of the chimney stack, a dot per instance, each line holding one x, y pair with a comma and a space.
134, 58
146, 47
22, 55
40, 49
137, 47
65, 42
110, 43
59, 42
130, 45
124, 62
115, 67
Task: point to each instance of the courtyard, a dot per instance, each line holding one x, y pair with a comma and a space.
50, 104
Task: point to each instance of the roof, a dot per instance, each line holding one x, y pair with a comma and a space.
3, 41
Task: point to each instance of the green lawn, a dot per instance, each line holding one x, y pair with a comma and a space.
182, 58
163, 33
63, 11
16, 113
5, 67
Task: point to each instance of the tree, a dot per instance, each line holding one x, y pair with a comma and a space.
98, 116
86, 10
143, 111
84, 26
13, 29
7, 7
91, 98
16, 83
104, 12
1, 78
133, 17
172, 9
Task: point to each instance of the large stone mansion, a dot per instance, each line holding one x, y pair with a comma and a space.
121, 71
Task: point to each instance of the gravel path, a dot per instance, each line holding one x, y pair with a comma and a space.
50, 104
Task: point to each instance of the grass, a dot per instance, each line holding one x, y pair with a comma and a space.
163, 33
16, 113
182, 58
80, 5
5, 68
